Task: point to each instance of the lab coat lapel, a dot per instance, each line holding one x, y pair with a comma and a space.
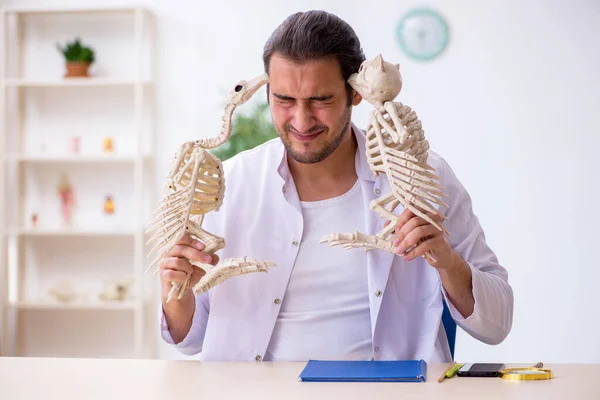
379, 262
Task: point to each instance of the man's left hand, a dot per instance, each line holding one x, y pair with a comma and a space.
414, 236
455, 273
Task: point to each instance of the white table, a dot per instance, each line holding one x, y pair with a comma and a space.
68, 378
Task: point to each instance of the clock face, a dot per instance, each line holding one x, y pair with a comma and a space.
423, 34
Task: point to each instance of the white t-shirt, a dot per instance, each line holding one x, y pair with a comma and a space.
325, 311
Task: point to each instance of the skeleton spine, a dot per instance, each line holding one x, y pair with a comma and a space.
211, 143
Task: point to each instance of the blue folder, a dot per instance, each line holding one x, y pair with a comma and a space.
364, 371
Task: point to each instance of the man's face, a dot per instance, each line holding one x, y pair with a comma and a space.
309, 107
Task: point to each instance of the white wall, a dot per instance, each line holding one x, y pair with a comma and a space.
512, 105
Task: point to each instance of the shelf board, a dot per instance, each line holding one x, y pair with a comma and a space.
55, 305
70, 10
71, 232
75, 158
87, 82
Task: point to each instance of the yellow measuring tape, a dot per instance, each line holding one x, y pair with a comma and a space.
525, 374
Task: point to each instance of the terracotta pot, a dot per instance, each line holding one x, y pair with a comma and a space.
77, 69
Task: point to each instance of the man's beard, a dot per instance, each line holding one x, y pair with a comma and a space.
323, 153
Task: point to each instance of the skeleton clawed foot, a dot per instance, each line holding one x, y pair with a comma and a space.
216, 274
228, 268
352, 240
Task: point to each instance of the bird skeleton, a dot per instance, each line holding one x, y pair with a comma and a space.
195, 185
395, 146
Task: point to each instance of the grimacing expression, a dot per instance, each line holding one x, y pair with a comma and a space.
309, 106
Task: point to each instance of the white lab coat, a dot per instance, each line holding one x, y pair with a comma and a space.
261, 217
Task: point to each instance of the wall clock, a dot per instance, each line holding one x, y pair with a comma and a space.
423, 34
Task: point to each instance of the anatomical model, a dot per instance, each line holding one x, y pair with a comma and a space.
396, 147
67, 199
195, 186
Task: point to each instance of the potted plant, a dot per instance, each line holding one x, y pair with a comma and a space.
247, 132
78, 58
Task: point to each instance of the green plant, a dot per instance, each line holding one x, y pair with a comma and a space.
248, 131
75, 52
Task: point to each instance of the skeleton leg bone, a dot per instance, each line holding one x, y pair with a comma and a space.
349, 240
379, 207
182, 287
382, 240
212, 243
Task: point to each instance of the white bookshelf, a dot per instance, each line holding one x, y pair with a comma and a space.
40, 113
72, 232
49, 158
89, 82
96, 305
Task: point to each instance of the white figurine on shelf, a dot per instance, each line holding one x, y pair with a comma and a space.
63, 292
116, 290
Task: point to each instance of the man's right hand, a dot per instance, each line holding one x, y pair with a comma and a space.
175, 267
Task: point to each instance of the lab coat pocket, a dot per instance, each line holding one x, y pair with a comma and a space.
415, 281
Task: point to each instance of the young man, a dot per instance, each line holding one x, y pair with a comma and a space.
325, 302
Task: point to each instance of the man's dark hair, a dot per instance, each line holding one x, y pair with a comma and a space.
313, 35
